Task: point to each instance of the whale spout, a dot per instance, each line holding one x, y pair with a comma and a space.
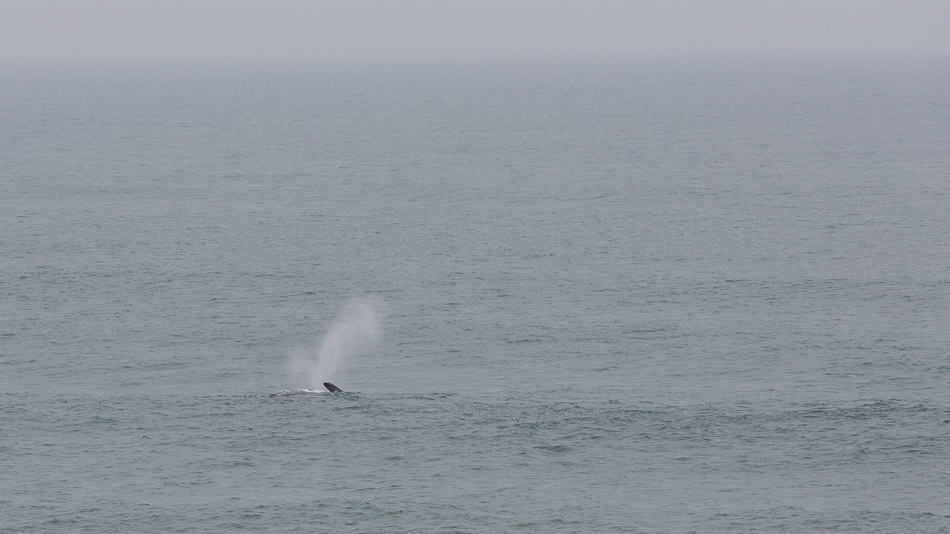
331, 388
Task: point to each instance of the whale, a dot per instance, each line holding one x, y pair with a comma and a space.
331, 388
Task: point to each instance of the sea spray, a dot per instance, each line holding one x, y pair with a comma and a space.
355, 330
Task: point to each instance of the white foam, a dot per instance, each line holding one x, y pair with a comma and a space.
302, 391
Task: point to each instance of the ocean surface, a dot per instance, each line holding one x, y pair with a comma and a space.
645, 297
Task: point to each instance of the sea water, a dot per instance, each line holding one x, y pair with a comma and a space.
645, 297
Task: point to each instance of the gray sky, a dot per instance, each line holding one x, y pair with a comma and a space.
187, 30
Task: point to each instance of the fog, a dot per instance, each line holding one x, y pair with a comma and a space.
298, 30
